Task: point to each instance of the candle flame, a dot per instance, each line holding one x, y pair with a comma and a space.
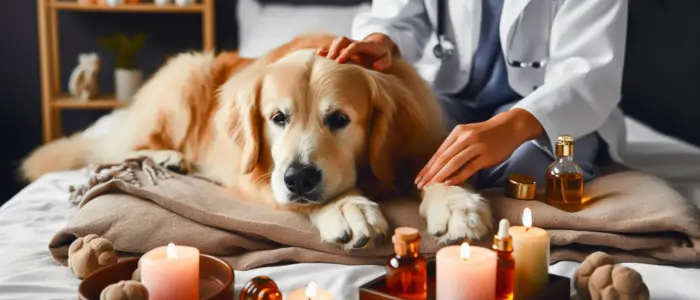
171, 251
527, 217
311, 290
465, 252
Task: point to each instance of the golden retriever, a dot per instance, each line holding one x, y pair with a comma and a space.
294, 130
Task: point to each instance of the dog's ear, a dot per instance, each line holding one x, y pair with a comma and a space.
395, 122
239, 118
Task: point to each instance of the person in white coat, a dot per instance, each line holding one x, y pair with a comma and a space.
519, 74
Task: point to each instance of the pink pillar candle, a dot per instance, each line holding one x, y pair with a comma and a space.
466, 273
171, 273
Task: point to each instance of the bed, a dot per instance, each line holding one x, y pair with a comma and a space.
30, 219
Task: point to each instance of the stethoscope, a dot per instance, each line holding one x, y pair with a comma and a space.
445, 48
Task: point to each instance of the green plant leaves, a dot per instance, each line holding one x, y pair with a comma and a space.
125, 48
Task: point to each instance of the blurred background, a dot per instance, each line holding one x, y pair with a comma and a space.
661, 78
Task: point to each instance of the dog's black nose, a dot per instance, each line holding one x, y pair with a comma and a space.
301, 179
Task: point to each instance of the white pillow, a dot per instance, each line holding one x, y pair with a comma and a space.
264, 27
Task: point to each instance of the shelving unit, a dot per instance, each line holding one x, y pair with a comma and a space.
52, 99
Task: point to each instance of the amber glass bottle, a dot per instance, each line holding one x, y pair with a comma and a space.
564, 188
261, 288
407, 274
505, 265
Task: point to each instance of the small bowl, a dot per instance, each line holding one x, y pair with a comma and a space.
215, 278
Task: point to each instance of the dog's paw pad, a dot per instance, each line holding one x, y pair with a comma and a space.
353, 222
455, 214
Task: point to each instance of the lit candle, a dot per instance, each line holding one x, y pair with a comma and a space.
531, 253
171, 273
466, 272
311, 292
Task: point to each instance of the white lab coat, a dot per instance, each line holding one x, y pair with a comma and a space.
576, 94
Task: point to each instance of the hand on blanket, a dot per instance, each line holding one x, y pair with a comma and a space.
472, 147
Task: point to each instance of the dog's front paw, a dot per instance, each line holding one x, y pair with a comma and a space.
169, 159
455, 213
352, 221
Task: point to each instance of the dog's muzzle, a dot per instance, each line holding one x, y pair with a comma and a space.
303, 182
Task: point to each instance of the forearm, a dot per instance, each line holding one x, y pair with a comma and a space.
406, 23
523, 125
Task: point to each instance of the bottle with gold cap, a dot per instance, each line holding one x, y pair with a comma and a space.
564, 187
505, 265
407, 271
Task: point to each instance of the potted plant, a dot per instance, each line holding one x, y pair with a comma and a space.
127, 76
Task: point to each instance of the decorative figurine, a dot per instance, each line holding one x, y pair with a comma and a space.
83, 82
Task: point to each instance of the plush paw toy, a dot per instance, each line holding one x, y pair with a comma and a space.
600, 278
617, 282
125, 290
90, 253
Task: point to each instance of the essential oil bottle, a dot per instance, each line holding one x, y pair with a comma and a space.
406, 271
564, 188
261, 288
505, 265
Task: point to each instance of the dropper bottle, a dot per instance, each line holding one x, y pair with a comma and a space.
505, 265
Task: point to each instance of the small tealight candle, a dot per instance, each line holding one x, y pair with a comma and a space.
466, 272
531, 253
311, 292
171, 272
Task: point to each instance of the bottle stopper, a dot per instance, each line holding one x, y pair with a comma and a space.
565, 146
403, 236
261, 288
521, 187
503, 241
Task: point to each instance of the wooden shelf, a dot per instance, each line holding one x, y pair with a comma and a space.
66, 102
141, 7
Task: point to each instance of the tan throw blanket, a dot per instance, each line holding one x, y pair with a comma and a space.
139, 206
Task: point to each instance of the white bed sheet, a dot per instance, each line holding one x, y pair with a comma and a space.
29, 220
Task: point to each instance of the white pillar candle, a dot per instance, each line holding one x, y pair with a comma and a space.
465, 272
311, 292
171, 273
531, 254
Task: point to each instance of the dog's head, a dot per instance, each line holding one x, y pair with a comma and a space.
318, 123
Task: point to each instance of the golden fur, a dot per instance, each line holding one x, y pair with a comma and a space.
368, 133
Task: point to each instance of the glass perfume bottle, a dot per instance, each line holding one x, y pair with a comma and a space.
564, 188
505, 265
407, 273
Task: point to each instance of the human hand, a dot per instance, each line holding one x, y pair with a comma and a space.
376, 48
472, 147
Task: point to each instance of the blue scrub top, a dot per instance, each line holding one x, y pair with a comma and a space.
488, 86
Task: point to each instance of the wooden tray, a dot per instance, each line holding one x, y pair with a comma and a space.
215, 278
557, 289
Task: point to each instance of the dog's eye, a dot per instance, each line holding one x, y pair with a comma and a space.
280, 119
336, 121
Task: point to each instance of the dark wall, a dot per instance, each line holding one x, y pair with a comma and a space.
661, 85
662, 69
20, 94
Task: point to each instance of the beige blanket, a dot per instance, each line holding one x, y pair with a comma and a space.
140, 206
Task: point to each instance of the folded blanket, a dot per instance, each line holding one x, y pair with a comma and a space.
139, 206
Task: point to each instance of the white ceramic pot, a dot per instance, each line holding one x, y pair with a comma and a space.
162, 2
183, 2
127, 82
